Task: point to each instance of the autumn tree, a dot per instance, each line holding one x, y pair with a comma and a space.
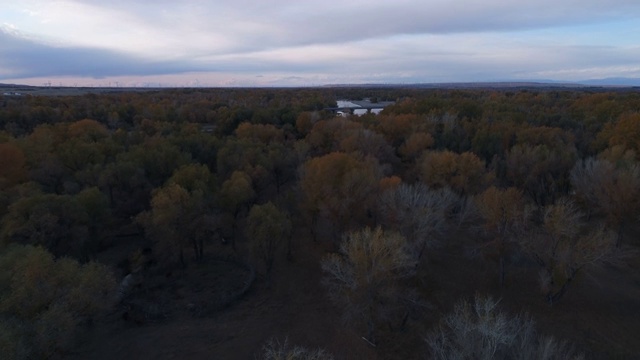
339, 187
505, 215
365, 276
268, 229
195, 177
326, 135
415, 145
264, 133
43, 162
305, 121
88, 129
397, 129
624, 132
13, 169
177, 218
158, 158
618, 155
202, 147
464, 173
69, 225
492, 139
565, 245
614, 191
236, 194
481, 331
43, 301
368, 143
126, 186
95, 219
267, 163
543, 173
282, 162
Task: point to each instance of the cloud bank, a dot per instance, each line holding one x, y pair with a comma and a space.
283, 42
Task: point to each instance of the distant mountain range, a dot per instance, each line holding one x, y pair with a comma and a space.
613, 82
545, 83
530, 83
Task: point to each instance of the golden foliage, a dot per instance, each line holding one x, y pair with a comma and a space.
565, 245
265, 133
365, 276
339, 186
464, 173
87, 129
626, 132
415, 145
12, 165
503, 210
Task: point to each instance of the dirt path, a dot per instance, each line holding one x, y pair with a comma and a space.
293, 306
600, 315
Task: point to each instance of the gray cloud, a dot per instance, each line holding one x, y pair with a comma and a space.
257, 25
293, 40
23, 58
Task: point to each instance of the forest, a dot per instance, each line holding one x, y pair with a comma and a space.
486, 223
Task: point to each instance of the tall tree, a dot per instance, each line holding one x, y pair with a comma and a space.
418, 213
465, 173
13, 169
61, 223
340, 187
612, 190
236, 195
565, 246
177, 219
506, 215
365, 276
268, 229
541, 171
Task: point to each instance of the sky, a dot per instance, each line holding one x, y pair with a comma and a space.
308, 43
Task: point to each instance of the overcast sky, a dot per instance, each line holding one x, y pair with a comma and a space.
304, 42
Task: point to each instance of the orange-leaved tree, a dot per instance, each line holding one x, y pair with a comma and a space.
464, 173
340, 188
13, 163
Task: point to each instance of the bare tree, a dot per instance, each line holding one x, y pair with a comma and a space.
480, 331
364, 277
276, 350
420, 214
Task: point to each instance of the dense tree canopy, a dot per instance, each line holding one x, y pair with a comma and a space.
142, 179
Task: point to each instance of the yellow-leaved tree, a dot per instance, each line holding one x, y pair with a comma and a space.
364, 278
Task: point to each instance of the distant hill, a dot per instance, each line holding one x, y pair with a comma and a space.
613, 82
14, 86
506, 84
